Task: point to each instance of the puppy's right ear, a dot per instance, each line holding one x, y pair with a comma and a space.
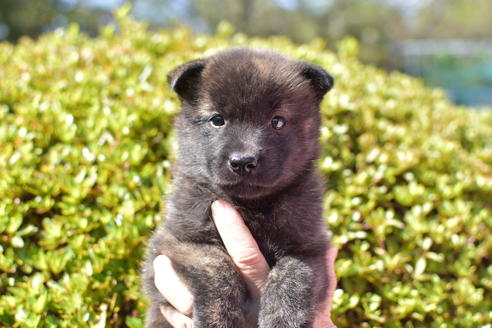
185, 79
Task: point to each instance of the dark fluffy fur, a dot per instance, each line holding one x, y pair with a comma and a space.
280, 200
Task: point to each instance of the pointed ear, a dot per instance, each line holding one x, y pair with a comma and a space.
184, 79
321, 81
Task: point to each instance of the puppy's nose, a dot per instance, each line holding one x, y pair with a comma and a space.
242, 164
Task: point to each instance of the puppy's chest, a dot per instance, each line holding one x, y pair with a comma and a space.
268, 235
275, 231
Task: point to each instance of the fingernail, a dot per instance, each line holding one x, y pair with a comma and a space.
218, 205
161, 262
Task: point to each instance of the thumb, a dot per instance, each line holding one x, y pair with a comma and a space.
241, 246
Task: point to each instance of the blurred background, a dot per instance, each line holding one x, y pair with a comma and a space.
446, 42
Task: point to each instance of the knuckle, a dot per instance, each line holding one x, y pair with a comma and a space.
249, 260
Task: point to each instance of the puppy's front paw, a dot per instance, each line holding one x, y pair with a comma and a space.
289, 298
216, 312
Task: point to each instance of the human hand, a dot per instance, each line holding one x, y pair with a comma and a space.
246, 255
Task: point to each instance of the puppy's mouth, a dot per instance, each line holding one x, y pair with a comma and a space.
246, 191
245, 184
247, 187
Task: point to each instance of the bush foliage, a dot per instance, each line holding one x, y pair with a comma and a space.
85, 144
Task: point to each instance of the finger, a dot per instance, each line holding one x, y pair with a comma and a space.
331, 255
241, 246
171, 287
175, 318
323, 317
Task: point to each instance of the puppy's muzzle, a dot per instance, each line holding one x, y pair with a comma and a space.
242, 164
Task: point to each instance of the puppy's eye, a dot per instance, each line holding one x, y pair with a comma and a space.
278, 122
217, 121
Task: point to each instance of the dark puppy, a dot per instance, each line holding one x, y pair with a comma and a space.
248, 133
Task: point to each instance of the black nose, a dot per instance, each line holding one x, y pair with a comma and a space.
242, 164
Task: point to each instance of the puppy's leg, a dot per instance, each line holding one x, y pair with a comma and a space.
293, 292
219, 293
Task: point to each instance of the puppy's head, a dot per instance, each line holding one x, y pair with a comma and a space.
250, 119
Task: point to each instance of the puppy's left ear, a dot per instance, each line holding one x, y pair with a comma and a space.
321, 81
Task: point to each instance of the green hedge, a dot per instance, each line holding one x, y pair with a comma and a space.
85, 144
